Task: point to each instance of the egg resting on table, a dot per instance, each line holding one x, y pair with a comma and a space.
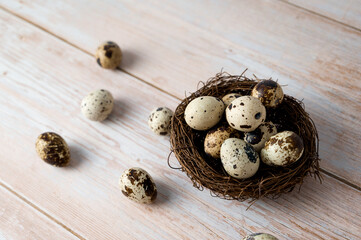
260, 236
227, 99
204, 112
159, 120
53, 149
97, 105
269, 92
245, 113
108, 55
260, 135
137, 185
239, 159
282, 149
215, 138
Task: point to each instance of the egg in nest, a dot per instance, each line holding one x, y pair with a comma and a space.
282, 149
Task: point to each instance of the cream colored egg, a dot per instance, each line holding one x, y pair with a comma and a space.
239, 159
215, 138
260, 135
137, 185
245, 113
204, 112
282, 149
227, 99
269, 92
97, 105
260, 236
159, 120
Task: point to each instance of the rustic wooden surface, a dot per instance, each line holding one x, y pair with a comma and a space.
46, 67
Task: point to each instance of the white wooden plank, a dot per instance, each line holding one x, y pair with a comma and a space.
346, 11
21, 221
173, 45
42, 91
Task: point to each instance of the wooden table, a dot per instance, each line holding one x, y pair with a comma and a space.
47, 67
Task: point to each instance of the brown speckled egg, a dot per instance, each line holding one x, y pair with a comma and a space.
282, 149
215, 138
260, 236
53, 149
108, 55
159, 120
245, 113
227, 99
239, 159
137, 185
258, 137
204, 112
269, 92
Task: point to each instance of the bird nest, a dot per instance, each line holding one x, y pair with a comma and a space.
204, 171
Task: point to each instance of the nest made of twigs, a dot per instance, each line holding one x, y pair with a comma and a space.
206, 172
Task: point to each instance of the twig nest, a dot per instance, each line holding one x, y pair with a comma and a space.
215, 138
53, 149
159, 120
204, 112
269, 92
97, 105
282, 149
137, 185
239, 159
109, 55
260, 236
245, 113
230, 97
258, 137
219, 175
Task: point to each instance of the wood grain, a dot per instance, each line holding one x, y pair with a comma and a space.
21, 221
313, 57
43, 81
347, 11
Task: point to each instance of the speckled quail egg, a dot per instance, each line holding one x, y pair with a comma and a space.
159, 120
227, 99
53, 149
282, 149
260, 135
239, 159
260, 236
137, 185
204, 112
97, 105
215, 138
108, 55
245, 113
269, 92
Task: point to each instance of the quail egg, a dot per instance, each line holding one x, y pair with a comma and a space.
159, 120
97, 105
269, 92
258, 137
108, 55
204, 112
53, 149
260, 236
215, 138
282, 149
137, 185
239, 159
245, 113
227, 99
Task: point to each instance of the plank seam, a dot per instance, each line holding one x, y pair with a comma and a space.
3, 185
320, 15
158, 88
